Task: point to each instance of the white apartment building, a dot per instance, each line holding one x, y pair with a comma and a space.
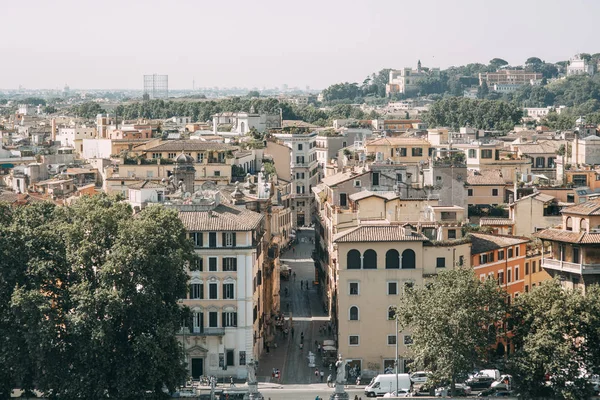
304, 173
73, 137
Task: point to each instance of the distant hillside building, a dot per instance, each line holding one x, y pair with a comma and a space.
579, 66
508, 77
406, 80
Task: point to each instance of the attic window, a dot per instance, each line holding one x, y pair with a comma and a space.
357, 183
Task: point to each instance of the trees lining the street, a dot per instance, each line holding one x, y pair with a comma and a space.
88, 301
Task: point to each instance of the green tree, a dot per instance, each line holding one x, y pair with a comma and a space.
556, 332
341, 91
449, 318
92, 296
253, 93
496, 63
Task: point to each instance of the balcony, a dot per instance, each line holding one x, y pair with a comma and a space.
575, 268
202, 332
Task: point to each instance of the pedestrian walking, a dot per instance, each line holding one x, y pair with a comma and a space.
319, 348
358, 380
329, 380
322, 374
231, 381
317, 373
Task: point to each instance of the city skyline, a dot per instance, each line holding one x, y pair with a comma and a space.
266, 44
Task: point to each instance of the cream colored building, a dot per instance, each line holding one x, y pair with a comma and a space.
485, 188
399, 149
374, 264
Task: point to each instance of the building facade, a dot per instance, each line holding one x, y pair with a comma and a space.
407, 79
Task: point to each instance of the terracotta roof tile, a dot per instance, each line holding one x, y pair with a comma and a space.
560, 235
496, 222
492, 177
222, 218
378, 233
482, 242
341, 177
591, 207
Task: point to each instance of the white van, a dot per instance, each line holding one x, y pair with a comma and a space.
492, 373
385, 383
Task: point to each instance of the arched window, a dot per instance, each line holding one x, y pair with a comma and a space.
409, 259
353, 259
391, 312
353, 313
583, 226
370, 259
569, 224
392, 259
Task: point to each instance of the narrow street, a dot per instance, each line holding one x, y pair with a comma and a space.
306, 310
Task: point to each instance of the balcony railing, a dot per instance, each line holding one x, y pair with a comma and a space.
577, 268
202, 331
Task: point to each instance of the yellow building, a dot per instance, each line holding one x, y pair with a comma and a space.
485, 188
399, 149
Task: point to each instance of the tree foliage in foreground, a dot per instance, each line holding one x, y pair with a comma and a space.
449, 319
557, 333
88, 299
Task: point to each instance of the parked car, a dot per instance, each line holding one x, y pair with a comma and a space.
480, 382
460, 390
399, 393
419, 377
502, 383
494, 393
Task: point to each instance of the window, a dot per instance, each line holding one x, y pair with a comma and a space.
171, 155
370, 259
533, 266
470, 192
242, 358
526, 268
440, 262
213, 319
409, 259
417, 152
392, 259
196, 238
299, 146
198, 322
200, 157
198, 264
501, 277
353, 288
391, 314
156, 155
408, 340
353, 340
483, 259
357, 183
353, 313
228, 291
391, 340
229, 239
494, 192
229, 319
526, 289
486, 153
510, 253
508, 275
375, 178
353, 259
472, 153
461, 261
299, 175
500, 255
229, 264
491, 257
212, 264
579, 180
517, 251
392, 288
212, 239
343, 199
217, 173
516, 273
212, 291
576, 257
451, 233
196, 291
402, 151
398, 177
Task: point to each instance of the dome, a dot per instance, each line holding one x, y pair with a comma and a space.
184, 159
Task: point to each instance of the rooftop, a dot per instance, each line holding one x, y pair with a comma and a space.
222, 218
398, 141
542, 147
483, 242
560, 235
379, 233
190, 145
496, 222
485, 177
591, 207
341, 177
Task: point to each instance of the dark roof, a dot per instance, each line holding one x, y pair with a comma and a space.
378, 233
222, 218
482, 243
190, 145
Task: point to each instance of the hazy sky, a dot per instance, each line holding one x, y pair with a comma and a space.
226, 43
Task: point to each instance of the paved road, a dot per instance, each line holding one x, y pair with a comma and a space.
306, 310
308, 392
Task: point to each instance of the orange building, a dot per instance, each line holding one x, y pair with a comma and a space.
502, 258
